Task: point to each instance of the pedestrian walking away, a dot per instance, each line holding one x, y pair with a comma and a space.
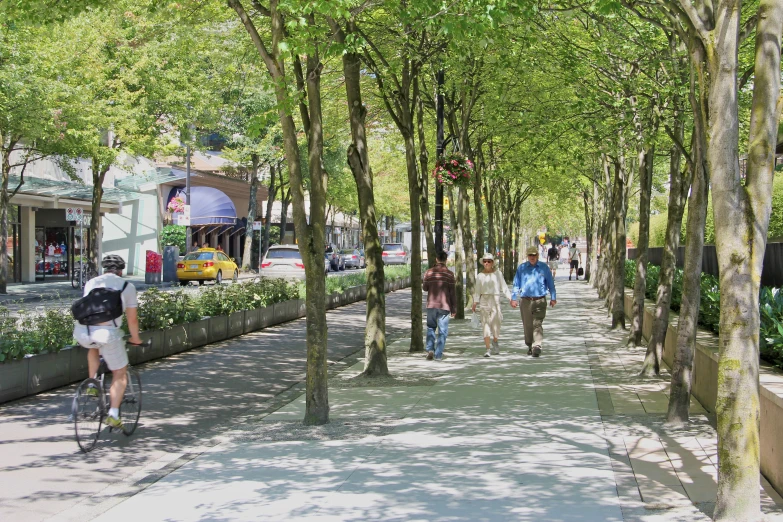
104, 337
553, 258
531, 283
575, 257
489, 286
441, 287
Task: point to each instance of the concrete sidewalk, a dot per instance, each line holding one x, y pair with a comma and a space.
571, 436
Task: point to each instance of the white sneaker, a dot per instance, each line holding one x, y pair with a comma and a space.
486, 354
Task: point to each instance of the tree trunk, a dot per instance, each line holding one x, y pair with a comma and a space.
646, 157
270, 200
741, 215
359, 162
417, 330
467, 240
618, 269
98, 175
459, 253
682, 370
491, 242
5, 197
285, 200
311, 236
678, 192
251, 214
424, 185
479, 167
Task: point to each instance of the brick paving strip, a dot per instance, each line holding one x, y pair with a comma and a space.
574, 435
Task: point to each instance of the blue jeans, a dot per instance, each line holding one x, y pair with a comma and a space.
437, 319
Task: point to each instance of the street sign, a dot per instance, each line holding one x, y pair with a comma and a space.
85, 219
184, 219
70, 214
258, 225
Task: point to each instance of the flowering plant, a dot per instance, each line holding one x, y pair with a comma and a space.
154, 262
455, 170
177, 204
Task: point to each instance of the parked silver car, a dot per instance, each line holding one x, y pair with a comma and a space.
353, 258
335, 257
395, 254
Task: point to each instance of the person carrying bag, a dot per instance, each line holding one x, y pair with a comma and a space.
489, 286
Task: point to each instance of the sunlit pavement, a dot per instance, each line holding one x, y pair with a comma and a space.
571, 436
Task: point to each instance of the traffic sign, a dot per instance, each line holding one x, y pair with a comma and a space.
258, 225
70, 214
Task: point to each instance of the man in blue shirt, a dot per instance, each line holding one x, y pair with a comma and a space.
531, 283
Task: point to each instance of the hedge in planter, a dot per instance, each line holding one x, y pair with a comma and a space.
34, 333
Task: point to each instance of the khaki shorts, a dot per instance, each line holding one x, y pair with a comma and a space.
553, 265
108, 340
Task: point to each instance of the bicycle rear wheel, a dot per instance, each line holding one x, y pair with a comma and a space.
88, 410
130, 408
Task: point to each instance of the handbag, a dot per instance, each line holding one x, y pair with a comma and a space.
475, 322
580, 271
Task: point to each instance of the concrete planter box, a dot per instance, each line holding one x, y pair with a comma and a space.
199, 332
141, 354
176, 339
48, 370
266, 316
79, 369
386, 287
13, 379
252, 320
292, 309
705, 387
218, 328
333, 301
352, 294
301, 308
236, 323
362, 292
279, 313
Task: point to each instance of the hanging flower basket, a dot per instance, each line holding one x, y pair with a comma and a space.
176, 205
454, 170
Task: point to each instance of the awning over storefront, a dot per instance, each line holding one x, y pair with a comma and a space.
208, 206
46, 193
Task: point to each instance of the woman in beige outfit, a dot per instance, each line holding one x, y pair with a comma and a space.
490, 285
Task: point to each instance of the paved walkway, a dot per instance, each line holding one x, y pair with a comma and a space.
572, 436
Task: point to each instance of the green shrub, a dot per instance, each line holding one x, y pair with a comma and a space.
174, 235
34, 333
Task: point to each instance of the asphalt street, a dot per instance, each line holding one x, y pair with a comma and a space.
187, 399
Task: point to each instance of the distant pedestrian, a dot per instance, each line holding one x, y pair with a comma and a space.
531, 283
552, 257
441, 287
575, 257
489, 286
194, 247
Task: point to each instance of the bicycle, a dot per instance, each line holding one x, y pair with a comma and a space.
84, 270
90, 408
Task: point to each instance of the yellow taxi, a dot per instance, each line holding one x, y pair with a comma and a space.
206, 264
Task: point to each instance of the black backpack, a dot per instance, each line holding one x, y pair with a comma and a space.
101, 305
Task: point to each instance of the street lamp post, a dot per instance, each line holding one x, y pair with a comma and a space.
188, 238
438, 186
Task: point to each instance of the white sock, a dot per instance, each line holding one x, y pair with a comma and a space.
114, 412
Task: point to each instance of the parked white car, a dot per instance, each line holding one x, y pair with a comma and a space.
284, 261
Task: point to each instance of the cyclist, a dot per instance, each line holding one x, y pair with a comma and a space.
105, 339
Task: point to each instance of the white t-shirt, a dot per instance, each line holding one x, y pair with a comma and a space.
574, 253
115, 282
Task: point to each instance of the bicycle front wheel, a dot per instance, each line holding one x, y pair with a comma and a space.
88, 410
75, 277
130, 409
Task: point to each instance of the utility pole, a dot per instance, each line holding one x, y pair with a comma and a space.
438, 186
